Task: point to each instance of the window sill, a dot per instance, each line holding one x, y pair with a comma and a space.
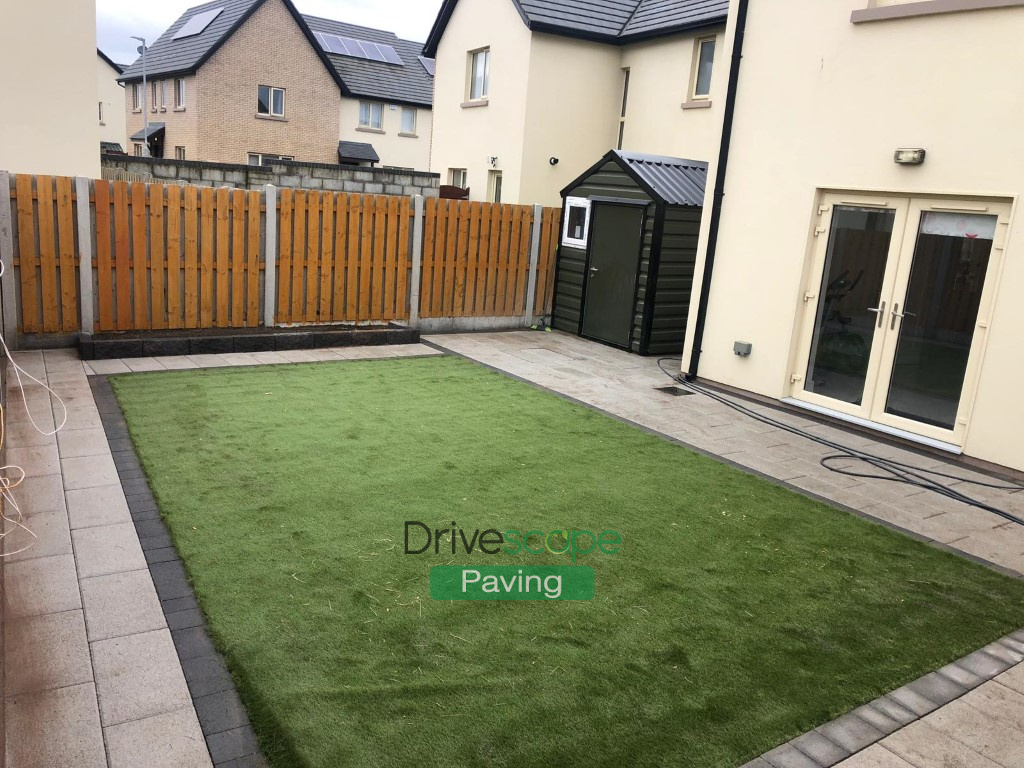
137, 111
179, 109
163, 109
698, 104
475, 103
276, 118
927, 8
409, 135
367, 129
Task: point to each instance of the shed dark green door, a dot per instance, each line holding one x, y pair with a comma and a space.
615, 237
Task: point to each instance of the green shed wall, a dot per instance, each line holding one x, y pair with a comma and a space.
675, 280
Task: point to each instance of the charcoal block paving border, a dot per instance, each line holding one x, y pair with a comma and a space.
230, 738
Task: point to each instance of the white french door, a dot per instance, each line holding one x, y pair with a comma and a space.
896, 309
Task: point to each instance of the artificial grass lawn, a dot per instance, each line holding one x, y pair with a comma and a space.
736, 615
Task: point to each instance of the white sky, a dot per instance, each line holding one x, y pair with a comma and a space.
118, 20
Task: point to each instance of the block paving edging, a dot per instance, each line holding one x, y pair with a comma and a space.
835, 741
229, 735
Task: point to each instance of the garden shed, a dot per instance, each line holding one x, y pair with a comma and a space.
628, 246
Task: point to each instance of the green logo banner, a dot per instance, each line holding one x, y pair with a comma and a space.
512, 582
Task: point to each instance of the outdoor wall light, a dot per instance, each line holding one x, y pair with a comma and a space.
553, 161
743, 348
909, 156
493, 160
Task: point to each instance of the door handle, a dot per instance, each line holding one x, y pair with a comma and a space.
897, 314
880, 311
593, 270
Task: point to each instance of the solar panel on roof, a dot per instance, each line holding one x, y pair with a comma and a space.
428, 64
197, 24
358, 49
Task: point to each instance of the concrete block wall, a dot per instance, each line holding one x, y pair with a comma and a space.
285, 173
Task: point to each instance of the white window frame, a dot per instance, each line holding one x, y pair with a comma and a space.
163, 95
136, 97
153, 91
451, 177
576, 242
261, 156
698, 48
179, 93
272, 90
415, 118
101, 114
372, 105
179, 153
495, 179
485, 86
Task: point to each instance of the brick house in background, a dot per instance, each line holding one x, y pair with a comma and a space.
252, 81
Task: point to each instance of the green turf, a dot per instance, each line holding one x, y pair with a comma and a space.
736, 615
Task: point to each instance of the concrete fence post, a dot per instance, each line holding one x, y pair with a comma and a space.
8, 294
270, 256
531, 283
417, 260
84, 210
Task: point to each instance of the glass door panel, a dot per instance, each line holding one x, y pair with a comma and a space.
937, 318
850, 312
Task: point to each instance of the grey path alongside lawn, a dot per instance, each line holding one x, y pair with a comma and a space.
93, 675
955, 717
94, 678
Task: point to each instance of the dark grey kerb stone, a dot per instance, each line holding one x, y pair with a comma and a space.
912, 701
260, 342
290, 341
192, 642
961, 676
230, 745
937, 688
220, 712
1004, 652
877, 718
112, 349
851, 733
984, 665
206, 674
788, 756
164, 347
209, 345
823, 751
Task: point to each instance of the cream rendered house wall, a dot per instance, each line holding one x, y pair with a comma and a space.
395, 149
660, 83
573, 100
825, 108
466, 137
50, 116
111, 95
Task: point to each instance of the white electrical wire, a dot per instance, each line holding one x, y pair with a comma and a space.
7, 482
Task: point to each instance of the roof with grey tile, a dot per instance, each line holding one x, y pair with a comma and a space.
356, 150
408, 83
609, 21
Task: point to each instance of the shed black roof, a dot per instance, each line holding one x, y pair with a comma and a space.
608, 21
671, 180
409, 83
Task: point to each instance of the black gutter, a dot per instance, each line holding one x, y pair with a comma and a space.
719, 194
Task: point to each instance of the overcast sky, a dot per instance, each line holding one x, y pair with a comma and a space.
118, 20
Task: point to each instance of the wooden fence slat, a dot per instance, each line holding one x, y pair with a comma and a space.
402, 308
327, 233
391, 261
494, 235
238, 244
450, 258
505, 247
366, 244
355, 206
174, 316
252, 271
482, 249
472, 255
430, 210
140, 261
156, 254
298, 256
222, 265
47, 255
523, 262
341, 228
192, 272
284, 255
206, 254
313, 230
380, 220
546, 270
27, 253
104, 264
66, 242
122, 256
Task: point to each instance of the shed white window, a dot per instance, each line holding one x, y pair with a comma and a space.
270, 101
179, 93
704, 63
577, 222
409, 121
479, 74
371, 115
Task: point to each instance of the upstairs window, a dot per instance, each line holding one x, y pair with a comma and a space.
371, 115
179, 93
703, 65
270, 101
479, 74
137, 97
153, 96
409, 121
163, 95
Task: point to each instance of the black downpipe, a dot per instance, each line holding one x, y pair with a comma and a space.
719, 194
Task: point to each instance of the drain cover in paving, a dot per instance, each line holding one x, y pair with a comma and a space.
674, 391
